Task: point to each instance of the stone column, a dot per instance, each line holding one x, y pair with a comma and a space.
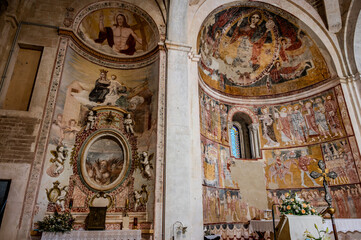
159, 172
252, 141
178, 148
351, 87
182, 200
253, 131
196, 174
179, 197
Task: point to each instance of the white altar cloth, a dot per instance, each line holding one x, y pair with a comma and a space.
293, 227
94, 235
344, 224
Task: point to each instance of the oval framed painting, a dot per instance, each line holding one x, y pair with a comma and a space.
105, 160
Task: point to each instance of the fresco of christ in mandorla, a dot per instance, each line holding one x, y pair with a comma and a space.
248, 51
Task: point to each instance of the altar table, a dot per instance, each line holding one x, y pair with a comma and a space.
94, 235
262, 225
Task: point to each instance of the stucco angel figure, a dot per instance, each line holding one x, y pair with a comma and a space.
90, 120
144, 164
137, 197
140, 197
57, 166
128, 124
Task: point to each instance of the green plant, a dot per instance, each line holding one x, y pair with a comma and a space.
59, 222
322, 235
294, 205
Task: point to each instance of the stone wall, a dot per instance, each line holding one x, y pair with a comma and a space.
18, 139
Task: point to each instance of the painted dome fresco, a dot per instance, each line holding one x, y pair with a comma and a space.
248, 51
117, 29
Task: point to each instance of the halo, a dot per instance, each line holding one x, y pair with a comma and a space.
258, 12
121, 13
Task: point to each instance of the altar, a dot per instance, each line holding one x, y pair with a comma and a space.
346, 228
94, 235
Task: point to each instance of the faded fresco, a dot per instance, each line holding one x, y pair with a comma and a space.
291, 168
223, 205
253, 52
118, 31
346, 199
339, 158
308, 121
213, 117
216, 165
91, 100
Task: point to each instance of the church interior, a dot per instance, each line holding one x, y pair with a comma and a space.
179, 119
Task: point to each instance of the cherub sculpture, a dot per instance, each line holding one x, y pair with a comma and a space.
140, 197
90, 120
145, 165
57, 166
128, 124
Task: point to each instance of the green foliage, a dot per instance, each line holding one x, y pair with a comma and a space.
56, 223
294, 205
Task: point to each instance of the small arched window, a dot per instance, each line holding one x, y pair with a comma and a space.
244, 137
235, 142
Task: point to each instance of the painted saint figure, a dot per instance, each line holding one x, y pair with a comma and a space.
321, 119
101, 88
268, 130
120, 37
257, 32
331, 116
309, 116
298, 123
284, 125
303, 163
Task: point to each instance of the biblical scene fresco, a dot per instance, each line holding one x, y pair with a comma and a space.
213, 119
308, 121
102, 138
339, 158
253, 52
122, 32
291, 168
355, 153
223, 205
216, 165
346, 199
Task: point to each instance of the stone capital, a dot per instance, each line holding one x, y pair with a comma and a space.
177, 46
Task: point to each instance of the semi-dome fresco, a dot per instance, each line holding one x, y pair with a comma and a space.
120, 30
252, 52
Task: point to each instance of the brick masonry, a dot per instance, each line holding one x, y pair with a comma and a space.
17, 139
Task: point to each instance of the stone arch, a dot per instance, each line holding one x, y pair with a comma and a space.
248, 112
352, 36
